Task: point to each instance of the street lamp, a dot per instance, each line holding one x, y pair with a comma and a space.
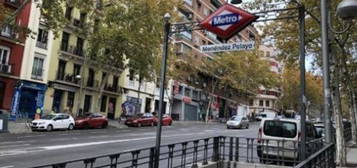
347, 9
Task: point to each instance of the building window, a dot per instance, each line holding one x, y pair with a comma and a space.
267, 103
61, 70
37, 68
115, 83
64, 42
103, 104
83, 17
76, 70
90, 81
42, 38
4, 59
261, 103
267, 54
180, 90
187, 92
79, 47
70, 99
131, 74
195, 94
251, 102
68, 13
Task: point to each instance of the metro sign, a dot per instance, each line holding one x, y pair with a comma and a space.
227, 21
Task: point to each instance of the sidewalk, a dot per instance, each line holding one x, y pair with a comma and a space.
18, 127
351, 154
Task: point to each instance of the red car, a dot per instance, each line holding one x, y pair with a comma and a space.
92, 120
146, 119
166, 120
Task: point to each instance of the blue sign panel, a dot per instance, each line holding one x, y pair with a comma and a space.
226, 19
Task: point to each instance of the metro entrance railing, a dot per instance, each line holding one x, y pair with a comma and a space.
206, 152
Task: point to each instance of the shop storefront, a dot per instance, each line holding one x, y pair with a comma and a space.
28, 97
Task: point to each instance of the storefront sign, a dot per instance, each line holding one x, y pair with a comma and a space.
227, 21
240, 46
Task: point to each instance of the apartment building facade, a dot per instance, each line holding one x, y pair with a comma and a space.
76, 83
12, 45
266, 99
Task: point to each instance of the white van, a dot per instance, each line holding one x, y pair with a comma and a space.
263, 115
278, 138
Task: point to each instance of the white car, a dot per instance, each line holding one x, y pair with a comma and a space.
238, 122
55, 121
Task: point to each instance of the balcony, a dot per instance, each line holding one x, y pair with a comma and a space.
13, 3
41, 45
73, 50
8, 32
111, 88
77, 23
70, 78
5, 68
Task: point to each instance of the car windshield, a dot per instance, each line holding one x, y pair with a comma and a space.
48, 117
263, 115
236, 118
277, 128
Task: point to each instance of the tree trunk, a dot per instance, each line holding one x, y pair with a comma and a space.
101, 89
353, 116
138, 100
337, 109
210, 100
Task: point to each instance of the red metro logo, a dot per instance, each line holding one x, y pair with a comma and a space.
227, 21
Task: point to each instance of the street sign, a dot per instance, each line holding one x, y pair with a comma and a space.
239, 46
227, 21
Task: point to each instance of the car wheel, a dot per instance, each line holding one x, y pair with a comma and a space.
49, 128
227, 127
170, 123
71, 126
247, 126
104, 125
86, 126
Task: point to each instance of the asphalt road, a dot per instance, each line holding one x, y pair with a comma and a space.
33, 149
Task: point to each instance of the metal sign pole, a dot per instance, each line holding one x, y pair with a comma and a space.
162, 90
302, 80
326, 70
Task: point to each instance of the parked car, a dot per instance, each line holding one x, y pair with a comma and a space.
92, 120
263, 115
238, 122
166, 120
53, 121
146, 119
288, 130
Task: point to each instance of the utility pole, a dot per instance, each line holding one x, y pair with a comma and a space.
326, 70
302, 80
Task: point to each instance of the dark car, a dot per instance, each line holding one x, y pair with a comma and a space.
146, 119
92, 120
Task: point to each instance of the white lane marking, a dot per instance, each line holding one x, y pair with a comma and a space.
7, 166
11, 142
14, 145
91, 143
